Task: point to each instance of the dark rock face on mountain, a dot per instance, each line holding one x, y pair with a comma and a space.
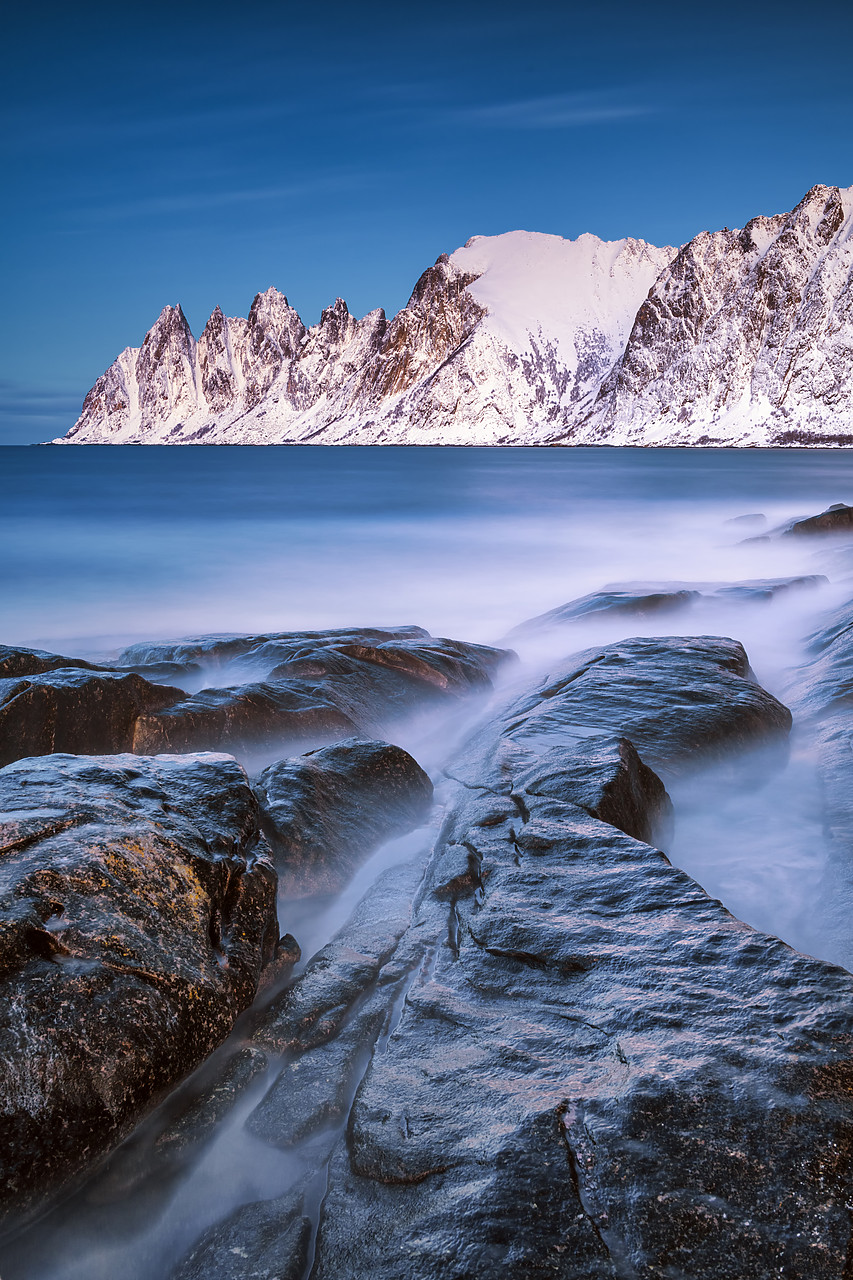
324, 812
74, 709
137, 914
744, 338
678, 700
642, 599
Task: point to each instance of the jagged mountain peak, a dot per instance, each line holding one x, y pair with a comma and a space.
739, 336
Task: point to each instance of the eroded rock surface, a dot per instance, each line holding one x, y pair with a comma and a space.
315, 686
324, 812
288, 688
137, 913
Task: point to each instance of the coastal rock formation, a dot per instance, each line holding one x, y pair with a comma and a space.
680, 700
75, 709
740, 337
319, 686
137, 914
324, 812
586, 1067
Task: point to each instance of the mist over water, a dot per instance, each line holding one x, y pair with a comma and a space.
105, 546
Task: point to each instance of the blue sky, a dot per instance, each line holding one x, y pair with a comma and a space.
197, 153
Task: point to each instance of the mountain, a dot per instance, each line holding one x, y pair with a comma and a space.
740, 337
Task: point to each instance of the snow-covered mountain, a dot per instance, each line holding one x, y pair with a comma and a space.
740, 337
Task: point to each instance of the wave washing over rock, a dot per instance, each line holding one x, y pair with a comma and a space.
740, 337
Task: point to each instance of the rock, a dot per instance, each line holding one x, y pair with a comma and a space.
263, 652
601, 1073
640, 599
754, 519
137, 913
836, 519
16, 662
630, 598
680, 701
273, 1236
591, 1069
319, 686
74, 709
325, 812
260, 715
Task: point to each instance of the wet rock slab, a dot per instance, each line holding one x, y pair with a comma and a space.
326, 811
137, 913
603, 1073
680, 701
587, 1067
292, 688
315, 686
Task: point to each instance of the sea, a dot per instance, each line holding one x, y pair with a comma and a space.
104, 546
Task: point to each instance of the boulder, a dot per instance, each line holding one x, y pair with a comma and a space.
597, 1071
836, 519
325, 812
260, 651
75, 709
680, 700
137, 914
260, 715
16, 662
588, 1068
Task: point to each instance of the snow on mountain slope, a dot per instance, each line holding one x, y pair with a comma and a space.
746, 338
504, 341
740, 337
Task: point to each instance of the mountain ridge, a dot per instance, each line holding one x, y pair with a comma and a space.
740, 337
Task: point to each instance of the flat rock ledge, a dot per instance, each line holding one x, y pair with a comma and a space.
137, 914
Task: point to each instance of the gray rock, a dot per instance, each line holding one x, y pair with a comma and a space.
680, 701
603, 1074
137, 913
325, 812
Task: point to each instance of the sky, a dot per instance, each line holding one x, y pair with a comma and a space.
199, 153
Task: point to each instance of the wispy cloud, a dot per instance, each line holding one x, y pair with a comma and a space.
221, 197
554, 111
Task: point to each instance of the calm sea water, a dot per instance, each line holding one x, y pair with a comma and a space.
102, 546
105, 544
